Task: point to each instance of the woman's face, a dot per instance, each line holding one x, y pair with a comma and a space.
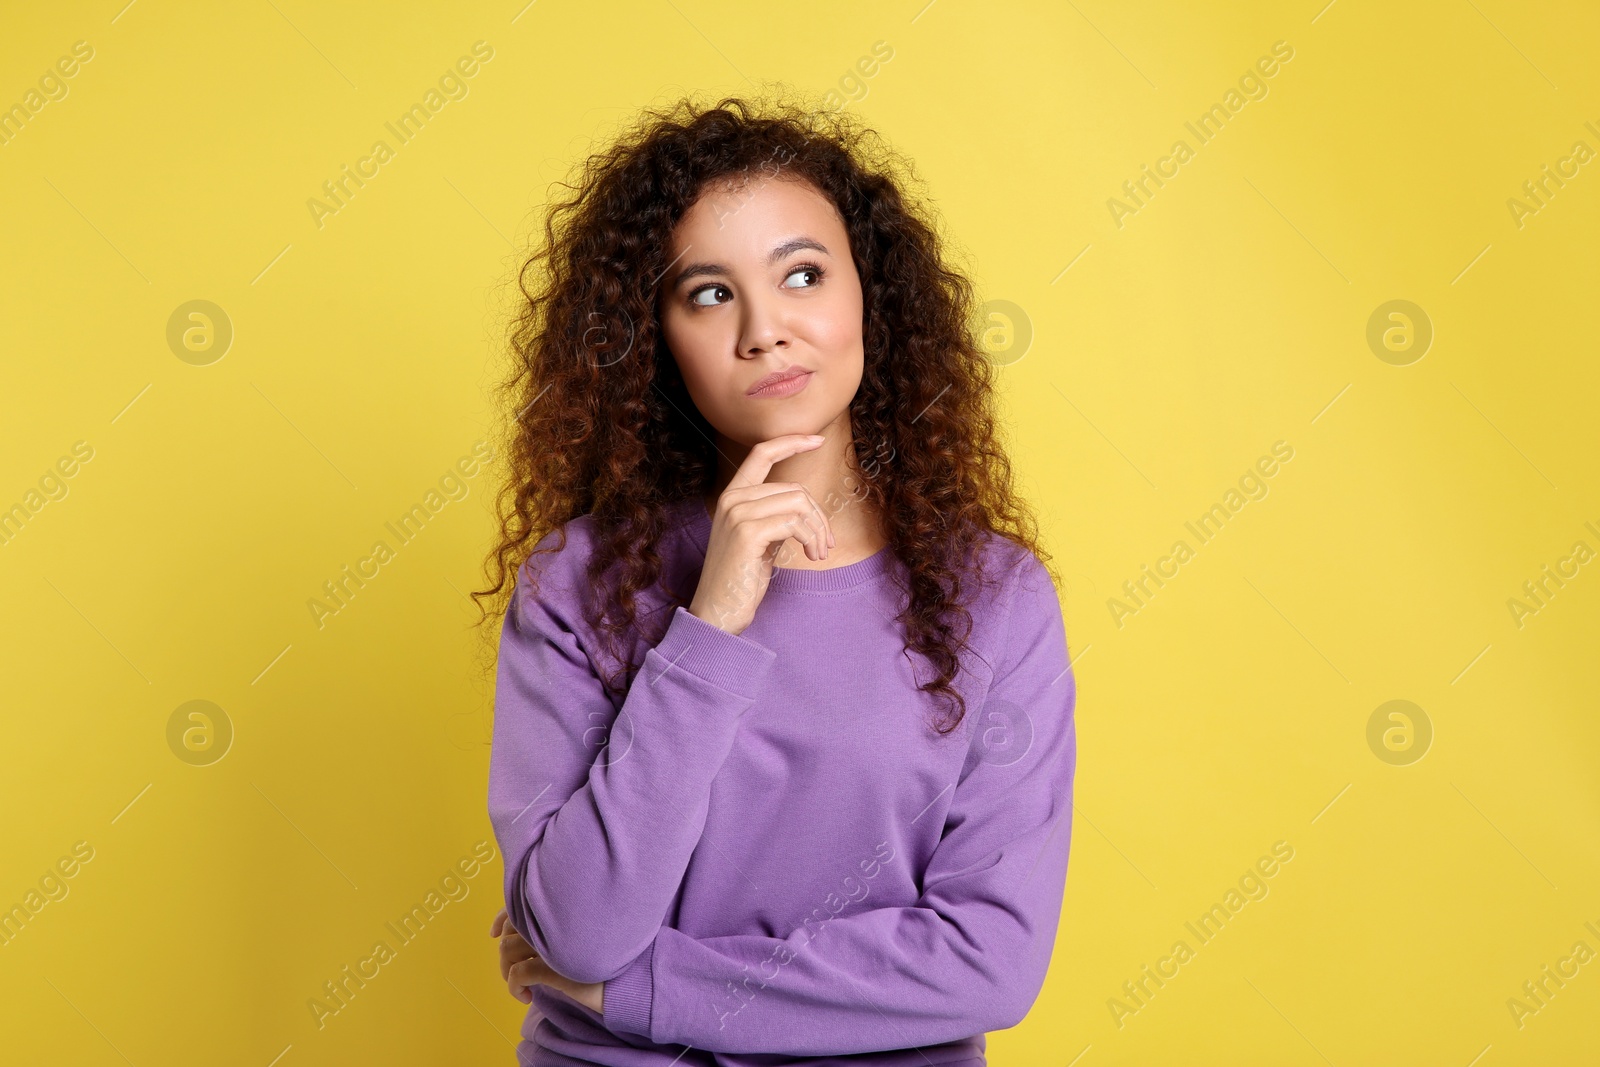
761, 280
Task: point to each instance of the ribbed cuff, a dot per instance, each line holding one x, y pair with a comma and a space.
729, 661
628, 996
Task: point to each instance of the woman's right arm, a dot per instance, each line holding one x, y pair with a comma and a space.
597, 818
596, 811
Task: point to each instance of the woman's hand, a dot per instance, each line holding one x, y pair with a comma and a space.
522, 968
754, 517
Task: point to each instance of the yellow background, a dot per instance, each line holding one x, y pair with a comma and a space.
1230, 312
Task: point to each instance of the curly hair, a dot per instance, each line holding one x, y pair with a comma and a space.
599, 421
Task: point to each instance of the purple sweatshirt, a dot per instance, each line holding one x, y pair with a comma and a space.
764, 850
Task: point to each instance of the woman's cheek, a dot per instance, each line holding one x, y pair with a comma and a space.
837, 329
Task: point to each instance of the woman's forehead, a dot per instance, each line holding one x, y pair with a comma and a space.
753, 208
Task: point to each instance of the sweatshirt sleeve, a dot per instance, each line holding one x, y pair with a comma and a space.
968, 957
597, 810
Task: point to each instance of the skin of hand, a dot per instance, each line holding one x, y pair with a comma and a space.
523, 968
754, 518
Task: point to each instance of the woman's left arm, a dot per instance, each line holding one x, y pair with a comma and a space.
970, 956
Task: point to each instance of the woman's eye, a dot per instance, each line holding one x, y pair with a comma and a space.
694, 297
817, 271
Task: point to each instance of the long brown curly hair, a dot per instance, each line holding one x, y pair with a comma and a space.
598, 419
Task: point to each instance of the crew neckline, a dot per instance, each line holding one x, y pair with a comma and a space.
797, 579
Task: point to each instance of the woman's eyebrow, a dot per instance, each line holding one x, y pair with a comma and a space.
787, 248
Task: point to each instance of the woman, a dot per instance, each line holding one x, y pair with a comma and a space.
773, 532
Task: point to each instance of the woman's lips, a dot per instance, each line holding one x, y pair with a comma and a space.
784, 387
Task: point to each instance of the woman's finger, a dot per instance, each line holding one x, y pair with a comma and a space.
513, 945
758, 463
511, 954
529, 971
783, 510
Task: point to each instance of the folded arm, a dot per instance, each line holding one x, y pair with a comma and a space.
970, 956
597, 811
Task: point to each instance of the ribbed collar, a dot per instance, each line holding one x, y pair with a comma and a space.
793, 579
